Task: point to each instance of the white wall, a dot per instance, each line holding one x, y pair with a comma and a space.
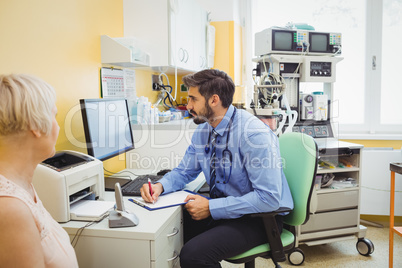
375, 184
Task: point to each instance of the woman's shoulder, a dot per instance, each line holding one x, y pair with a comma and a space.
14, 209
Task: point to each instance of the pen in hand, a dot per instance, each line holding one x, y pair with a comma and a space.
150, 190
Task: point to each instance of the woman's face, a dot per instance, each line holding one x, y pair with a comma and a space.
52, 138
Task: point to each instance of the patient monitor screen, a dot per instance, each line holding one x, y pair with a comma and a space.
318, 42
282, 40
107, 127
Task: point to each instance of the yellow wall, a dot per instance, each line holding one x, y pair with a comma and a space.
396, 144
228, 54
59, 41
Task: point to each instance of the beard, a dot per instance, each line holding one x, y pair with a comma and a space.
203, 116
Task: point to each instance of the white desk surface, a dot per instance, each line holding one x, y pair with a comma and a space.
334, 144
150, 225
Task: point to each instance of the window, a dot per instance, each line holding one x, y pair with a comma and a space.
366, 97
391, 87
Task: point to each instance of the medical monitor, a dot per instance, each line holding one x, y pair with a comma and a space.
283, 40
107, 127
319, 42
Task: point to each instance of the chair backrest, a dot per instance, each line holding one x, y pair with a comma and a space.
299, 155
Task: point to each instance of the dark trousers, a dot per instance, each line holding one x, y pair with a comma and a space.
207, 242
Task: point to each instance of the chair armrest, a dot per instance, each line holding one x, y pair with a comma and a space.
274, 213
273, 234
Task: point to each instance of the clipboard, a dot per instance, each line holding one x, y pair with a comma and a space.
164, 201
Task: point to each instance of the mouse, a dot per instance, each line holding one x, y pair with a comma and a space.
163, 172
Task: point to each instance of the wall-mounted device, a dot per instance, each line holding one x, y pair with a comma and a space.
289, 41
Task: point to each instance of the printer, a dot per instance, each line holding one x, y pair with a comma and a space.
66, 178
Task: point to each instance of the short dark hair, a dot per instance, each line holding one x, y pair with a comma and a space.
210, 82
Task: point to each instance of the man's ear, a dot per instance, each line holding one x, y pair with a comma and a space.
214, 100
36, 133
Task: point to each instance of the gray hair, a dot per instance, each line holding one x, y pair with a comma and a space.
26, 103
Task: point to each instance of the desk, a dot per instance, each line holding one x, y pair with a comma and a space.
154, 243
394, 167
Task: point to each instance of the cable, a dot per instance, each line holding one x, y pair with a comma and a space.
123, 171
160, 80
80, 230
110, 173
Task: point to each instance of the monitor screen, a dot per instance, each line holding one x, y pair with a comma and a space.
107, 127
319, 42
282, 40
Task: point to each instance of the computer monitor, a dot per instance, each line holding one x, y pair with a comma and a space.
107, 127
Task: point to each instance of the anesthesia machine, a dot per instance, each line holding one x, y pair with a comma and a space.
285, 59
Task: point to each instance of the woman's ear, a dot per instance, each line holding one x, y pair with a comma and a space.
36, 133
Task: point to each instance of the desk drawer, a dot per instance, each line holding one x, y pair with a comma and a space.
331, 220
169, 258
101, 252
337, 201
171, 237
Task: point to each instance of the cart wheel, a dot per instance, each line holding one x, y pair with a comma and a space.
364, 246
296, 257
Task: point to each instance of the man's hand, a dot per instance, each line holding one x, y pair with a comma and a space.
197, 207
157, 189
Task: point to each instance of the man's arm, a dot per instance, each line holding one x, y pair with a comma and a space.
176, 179
184, 173
268, 190
197, 206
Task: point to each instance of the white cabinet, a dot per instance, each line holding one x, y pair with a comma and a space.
335, 213
154, 243
115, 53
182, 34
173, 32
200, 40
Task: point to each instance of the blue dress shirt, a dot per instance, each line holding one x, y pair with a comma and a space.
256, 182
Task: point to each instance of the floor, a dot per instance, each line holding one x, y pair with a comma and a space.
343, 254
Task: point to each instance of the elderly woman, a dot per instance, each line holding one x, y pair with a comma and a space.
30, 237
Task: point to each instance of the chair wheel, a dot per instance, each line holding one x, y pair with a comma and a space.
296, 257
365, 247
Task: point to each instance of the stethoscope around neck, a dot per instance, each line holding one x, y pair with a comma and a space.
226, 152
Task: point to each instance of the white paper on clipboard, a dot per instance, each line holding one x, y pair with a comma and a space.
129, 83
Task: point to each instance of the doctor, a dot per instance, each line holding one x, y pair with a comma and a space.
239, 156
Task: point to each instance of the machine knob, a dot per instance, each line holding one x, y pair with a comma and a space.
320, 73
308, 98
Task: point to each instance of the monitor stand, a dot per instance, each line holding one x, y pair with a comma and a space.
110, 182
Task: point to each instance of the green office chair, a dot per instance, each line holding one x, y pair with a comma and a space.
299, 154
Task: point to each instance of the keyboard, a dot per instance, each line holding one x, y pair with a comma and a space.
132, 188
